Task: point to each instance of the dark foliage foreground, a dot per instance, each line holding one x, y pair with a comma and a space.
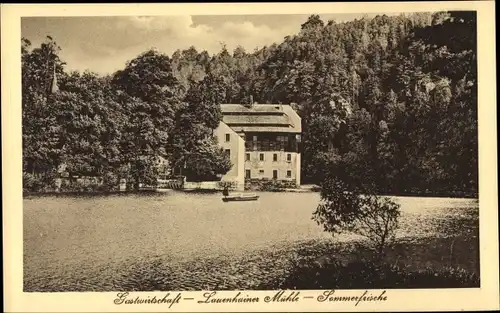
424, 263
363, 275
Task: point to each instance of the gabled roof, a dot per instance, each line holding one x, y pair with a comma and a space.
281, 120
264, 129
256, 108
261, 118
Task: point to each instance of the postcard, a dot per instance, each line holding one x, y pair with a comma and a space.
278, 157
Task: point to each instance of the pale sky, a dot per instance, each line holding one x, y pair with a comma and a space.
105, 44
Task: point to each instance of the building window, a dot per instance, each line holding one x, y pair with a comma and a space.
228, 152
247, 174
275, 157
289, 157
228, 137
288, 173
261, 156
261, 172
275, 174
248, 156
282, 142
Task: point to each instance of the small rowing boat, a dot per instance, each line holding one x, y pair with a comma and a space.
241, 197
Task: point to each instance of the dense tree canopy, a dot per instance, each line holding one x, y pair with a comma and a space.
42, 151
193, 144
116, 127
388, 102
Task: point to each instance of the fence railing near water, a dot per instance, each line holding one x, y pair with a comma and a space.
172, 183
94, 184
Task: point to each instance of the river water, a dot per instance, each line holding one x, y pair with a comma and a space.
87, 243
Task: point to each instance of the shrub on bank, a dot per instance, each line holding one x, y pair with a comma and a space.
80, 186
269, 184
346, 206
38, 183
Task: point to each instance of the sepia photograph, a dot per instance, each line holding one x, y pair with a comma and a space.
250, 152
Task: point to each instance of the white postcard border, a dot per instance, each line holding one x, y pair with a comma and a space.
16, 300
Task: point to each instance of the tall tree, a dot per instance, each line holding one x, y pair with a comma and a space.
92, 121
41, 147
193, 145
150, 99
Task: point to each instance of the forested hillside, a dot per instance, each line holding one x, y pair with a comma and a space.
389, 103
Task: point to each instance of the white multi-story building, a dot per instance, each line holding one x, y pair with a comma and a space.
262, 140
